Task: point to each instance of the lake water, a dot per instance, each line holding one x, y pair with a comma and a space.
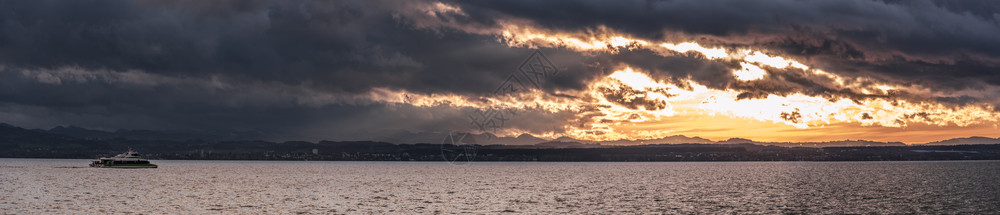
42, 186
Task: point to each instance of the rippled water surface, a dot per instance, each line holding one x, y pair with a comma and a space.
32, 186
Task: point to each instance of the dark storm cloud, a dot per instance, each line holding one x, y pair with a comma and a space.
239, 64
348, 46
281, 64
926, 30
942, 44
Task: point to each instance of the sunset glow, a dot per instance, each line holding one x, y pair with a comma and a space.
639, 100
595, 81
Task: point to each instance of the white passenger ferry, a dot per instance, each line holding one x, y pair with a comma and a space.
128, 159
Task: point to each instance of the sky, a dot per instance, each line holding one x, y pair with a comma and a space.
909, 71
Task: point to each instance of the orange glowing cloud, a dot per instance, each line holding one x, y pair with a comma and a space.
796, 110
630, 104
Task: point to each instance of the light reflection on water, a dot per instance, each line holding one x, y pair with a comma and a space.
35, 186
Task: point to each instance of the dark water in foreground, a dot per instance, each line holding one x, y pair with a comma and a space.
33, 186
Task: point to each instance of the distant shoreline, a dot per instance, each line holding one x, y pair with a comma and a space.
375, 151
442, 161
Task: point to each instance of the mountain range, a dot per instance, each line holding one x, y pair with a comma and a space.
76, 142
63, 133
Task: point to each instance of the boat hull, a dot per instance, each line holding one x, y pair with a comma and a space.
124, 166
127, 167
